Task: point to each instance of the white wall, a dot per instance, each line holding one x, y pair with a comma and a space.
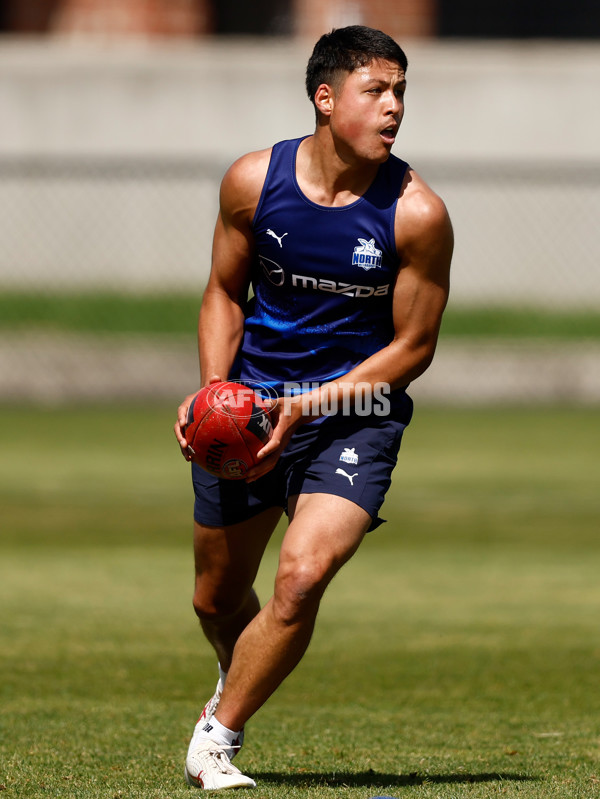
534, 104
465, 100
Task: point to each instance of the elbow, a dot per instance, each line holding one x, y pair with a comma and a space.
414, 358
424, 360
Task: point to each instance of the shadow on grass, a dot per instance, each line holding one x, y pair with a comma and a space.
373, 779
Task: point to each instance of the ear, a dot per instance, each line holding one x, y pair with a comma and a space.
324, 99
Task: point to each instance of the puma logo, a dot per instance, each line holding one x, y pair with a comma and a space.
349, 476
275, 236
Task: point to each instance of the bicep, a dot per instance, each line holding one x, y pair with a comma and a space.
233, 241
231, 259
423, 281
418, 306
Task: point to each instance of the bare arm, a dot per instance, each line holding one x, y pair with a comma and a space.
221, 319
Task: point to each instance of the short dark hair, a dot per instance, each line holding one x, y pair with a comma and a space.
347, 49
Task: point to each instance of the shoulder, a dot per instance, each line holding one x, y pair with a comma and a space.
243, 182
419, 207
422, 218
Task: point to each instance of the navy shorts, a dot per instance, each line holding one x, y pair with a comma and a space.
349, 456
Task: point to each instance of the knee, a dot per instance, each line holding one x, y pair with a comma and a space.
213, 601
298, 591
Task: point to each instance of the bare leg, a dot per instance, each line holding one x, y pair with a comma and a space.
227, 560
324, 533
223, 634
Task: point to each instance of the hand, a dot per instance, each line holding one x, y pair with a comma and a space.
286, 417
182, 414
179, 427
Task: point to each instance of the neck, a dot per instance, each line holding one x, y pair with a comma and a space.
328, 175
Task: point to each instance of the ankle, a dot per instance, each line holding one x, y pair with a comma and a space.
213, 730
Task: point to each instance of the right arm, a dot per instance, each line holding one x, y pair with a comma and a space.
221, 320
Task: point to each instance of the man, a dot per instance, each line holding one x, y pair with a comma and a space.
348, 252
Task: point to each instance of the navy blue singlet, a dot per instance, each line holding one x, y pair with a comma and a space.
323, 278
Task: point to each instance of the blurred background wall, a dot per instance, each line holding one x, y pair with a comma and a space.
120, 118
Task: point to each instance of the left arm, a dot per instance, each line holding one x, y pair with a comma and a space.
424, 242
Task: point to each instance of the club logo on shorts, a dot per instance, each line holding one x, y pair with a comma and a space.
366, 255
349, 456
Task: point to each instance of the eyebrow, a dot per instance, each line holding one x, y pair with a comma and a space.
382, 82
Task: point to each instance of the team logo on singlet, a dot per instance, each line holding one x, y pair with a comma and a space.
366, 255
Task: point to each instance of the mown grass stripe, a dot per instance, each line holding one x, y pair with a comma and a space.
111, 312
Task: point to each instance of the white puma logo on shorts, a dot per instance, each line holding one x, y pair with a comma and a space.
349, 476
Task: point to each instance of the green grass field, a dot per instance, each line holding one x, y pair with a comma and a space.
106, 313
456, 656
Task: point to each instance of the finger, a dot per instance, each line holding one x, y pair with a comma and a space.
270, 404
183, 410
183, 446
260, 469
182, 415
269, 448
179, 435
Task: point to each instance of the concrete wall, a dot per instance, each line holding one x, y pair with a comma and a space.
216, 99
470, 109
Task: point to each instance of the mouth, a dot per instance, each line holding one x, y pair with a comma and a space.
389, 134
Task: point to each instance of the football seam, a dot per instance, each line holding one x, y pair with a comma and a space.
235, 420
209, 409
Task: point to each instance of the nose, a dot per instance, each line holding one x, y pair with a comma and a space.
395, 104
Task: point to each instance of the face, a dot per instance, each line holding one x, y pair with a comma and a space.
365, 110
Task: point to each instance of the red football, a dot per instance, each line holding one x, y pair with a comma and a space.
227, 424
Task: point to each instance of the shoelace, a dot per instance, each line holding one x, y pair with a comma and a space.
222, 761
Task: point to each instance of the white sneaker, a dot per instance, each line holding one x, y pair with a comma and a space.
207, 766
209, 710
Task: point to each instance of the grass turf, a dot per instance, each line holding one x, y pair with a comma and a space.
111, 313
455, 656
